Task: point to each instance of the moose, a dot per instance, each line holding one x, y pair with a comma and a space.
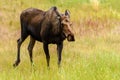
48, 27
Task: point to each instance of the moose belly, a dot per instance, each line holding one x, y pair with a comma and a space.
35, 33
36, 37
54, 40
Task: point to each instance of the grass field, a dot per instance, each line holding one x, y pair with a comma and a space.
95, 55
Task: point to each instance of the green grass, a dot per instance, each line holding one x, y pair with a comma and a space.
95, 58
94, 55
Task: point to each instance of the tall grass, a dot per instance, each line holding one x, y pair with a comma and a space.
93, 56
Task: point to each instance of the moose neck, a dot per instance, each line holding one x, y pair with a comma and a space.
56, 28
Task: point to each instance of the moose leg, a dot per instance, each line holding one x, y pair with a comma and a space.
30, 48
19, 42
45, 46
59, 51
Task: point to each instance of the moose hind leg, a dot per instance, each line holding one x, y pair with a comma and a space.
30, 48
19, 42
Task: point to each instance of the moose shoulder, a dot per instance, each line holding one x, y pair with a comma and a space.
47, 27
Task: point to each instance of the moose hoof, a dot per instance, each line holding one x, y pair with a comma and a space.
48, 67
32, 64
16, 63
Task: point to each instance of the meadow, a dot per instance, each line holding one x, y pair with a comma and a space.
95, 55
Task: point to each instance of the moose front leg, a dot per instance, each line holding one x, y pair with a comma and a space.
45, 46
59, 52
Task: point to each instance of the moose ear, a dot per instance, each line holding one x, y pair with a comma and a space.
67, 13
54, 8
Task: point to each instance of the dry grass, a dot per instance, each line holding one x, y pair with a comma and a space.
94, 55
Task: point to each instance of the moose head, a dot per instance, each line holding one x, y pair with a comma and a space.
67, 26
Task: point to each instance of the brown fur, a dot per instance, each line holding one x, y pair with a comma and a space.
43, 26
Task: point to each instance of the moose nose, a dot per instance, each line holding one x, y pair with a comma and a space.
70, 38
